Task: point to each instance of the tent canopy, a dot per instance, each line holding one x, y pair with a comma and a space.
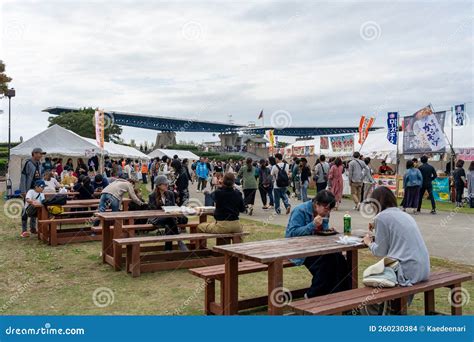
159, 153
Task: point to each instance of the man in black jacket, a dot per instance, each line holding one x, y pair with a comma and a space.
429, 175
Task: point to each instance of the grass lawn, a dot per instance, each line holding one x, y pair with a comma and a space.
41, 280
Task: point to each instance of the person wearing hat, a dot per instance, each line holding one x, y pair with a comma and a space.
33, 196
159, 198
32, 171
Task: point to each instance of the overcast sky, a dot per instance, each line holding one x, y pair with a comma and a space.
324, 63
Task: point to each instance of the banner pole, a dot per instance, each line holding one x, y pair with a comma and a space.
397, 155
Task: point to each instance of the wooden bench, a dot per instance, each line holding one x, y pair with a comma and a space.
131, 229
200, 256
48, 229
212, 273
337, 303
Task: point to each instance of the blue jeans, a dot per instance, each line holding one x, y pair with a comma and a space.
107, 201
280, 193
304, 191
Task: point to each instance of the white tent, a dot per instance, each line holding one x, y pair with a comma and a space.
158, 153
57, 141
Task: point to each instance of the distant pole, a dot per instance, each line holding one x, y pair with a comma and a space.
10, 93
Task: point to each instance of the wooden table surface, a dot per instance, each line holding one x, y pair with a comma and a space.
286, 248
139, 214
274, 253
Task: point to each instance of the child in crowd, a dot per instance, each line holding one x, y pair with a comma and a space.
33, 197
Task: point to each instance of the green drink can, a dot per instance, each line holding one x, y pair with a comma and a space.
347, 224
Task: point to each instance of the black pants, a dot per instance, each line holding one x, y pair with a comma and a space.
330, 274
429, 188
171, 228
144, 179
321, 186
152, 181
249, 196
263, 193
459, 192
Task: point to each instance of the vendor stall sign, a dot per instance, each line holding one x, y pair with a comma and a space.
441, 189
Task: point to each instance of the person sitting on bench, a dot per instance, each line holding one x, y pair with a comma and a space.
398, 237
331, 271
229, 204
163, 197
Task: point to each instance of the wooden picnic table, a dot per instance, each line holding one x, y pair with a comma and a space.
117, 220
42, 210
70, 194
274, 253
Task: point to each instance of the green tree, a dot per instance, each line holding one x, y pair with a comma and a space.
82, 122
4, 79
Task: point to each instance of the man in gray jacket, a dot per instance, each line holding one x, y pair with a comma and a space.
357, 171
32, 171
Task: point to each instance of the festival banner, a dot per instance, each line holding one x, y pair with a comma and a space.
389, 181
298, 151
324, 143
364, 126
466, 154
459, 115
342, 144
423, 132
271, 138
441, 189
392, 125
99, 128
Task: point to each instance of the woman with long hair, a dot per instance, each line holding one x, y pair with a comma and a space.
336, 180
249, 184
265, 181
398, 237
181, 182
160, 198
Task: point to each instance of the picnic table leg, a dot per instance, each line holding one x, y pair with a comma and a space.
429, 302
117, 235
42, 215
353, 261
456, 300
209, 295
231, 286
400, 306
275, 287
135, 263
106, 239
117, 257
53, 233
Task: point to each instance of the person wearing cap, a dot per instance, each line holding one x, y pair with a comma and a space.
156, 201
32, 197
112, 195
32, 171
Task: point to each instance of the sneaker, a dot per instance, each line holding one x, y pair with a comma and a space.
198, 190
265, 207
433, 212
250, 211
288, 210
25, 234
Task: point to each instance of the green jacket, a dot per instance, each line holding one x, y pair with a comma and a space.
248, 178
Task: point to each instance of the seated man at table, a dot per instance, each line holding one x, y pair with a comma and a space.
229, 203
156, 201
330, 272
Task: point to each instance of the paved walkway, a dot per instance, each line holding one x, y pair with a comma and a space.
448, 235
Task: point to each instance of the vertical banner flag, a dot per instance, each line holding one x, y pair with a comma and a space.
271, 138
392, 125
324, 143
99, 128
364, 126
459, 115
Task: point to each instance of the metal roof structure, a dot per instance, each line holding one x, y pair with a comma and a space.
170, 124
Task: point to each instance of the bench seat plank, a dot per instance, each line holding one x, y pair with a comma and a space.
178, 237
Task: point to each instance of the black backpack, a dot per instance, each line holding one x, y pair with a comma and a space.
282, 180
59, 199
